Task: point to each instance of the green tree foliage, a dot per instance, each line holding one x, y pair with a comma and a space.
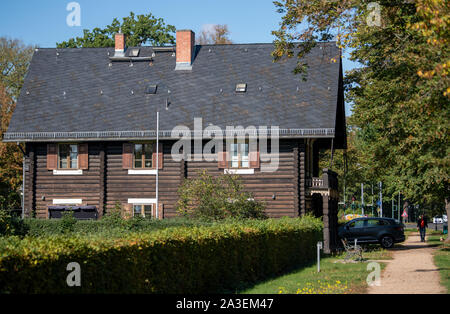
400, 95
15, 58
139, 30
208, 197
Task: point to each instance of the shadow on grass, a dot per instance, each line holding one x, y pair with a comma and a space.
242, 286
431, 270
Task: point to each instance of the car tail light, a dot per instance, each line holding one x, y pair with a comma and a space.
399, 229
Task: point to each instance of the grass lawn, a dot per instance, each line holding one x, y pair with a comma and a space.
442, 258
335, 277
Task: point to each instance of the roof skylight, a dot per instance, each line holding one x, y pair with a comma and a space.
241, 88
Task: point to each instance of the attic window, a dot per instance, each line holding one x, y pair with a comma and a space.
241, 88
151, 89
134, 52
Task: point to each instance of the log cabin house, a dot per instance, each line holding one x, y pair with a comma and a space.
88, 120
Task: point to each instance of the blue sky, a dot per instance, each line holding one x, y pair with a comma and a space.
43, 22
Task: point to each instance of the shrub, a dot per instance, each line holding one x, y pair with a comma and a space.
11, 224
205, 259
208, 197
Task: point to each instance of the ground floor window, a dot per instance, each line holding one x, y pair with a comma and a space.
142, 210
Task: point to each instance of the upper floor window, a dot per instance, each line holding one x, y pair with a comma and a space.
68, 156
143, 155
239, 154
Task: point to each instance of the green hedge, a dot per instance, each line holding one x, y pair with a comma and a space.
206, 259
106, 227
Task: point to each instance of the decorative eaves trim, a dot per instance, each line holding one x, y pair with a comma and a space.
165, 134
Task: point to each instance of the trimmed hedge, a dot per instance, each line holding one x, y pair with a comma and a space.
106, 226
206, 259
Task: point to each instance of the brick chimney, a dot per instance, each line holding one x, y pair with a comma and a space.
120, 44
185, 49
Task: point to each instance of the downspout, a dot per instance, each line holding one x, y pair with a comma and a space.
157, 164
23, 180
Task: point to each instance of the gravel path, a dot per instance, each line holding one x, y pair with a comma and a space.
411, 271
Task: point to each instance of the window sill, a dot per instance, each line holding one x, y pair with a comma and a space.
143, 171
239, 171
71, 172
142, 201
73, 201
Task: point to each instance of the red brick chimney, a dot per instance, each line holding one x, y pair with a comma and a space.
185, 49
120, 44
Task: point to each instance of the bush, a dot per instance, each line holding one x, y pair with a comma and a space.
107, 226
11, 225
205, 259
208, 197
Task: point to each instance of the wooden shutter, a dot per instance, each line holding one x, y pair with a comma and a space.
83, 156
222, 160
127, 211
52, 156
160, 211
254, 159
127, 155
160, 156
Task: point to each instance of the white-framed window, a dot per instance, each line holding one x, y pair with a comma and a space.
239, 151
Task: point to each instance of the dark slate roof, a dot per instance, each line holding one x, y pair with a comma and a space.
70, 92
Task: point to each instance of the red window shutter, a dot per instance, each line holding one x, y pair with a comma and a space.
52, 156
254, 159
160, 156
83, 156
127, 155
223, 160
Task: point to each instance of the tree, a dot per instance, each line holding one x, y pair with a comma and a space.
139, 30
15, 58
400, 94
216, 198
219, 34
10, 157
14, 61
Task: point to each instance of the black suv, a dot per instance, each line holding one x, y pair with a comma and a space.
385, 231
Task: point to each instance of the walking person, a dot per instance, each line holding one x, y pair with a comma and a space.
422, 224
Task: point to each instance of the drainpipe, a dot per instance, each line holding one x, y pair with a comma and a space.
157, 164
23, 180
23, 187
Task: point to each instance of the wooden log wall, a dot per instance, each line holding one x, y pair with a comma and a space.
106, 182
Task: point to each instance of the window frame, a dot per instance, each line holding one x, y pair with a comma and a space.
143, 159
68, 157
142, 212
239, 142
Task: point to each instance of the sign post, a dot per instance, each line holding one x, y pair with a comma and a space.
319, 247
381, 199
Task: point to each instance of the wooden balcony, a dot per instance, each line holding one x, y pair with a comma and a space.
328, 181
